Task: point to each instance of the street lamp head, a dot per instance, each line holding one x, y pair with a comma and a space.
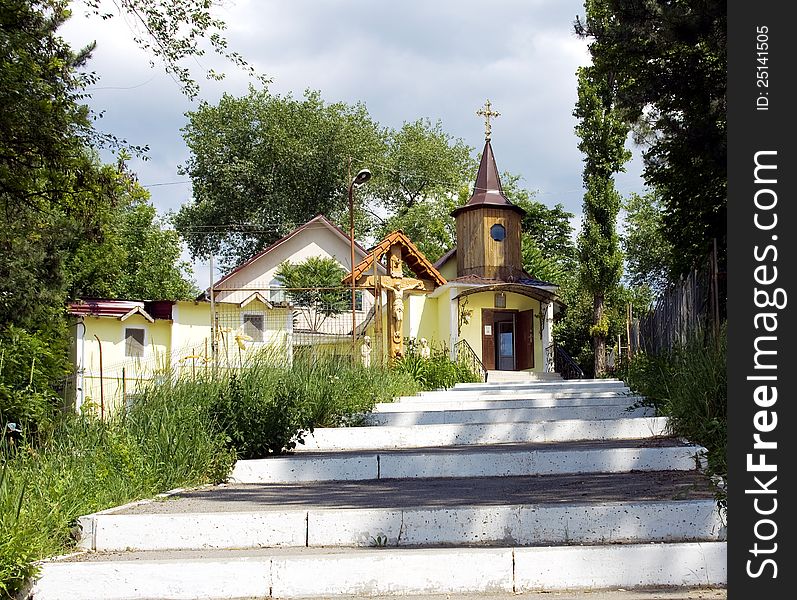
361, 177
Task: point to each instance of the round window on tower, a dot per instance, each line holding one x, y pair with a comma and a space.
498, 232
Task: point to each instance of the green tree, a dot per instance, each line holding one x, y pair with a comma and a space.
263, 164
549, 232
667, 63
52, 193
602, 132
421, 163
428, 224
314, 286
175, 32
646, 245
137, 258
538, 264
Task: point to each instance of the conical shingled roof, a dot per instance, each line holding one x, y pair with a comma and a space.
488, 193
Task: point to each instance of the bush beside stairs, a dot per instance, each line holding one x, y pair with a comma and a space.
483, 488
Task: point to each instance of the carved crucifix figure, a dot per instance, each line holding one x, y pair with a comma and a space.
396, 286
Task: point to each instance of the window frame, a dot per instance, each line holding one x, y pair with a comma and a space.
143, 343
498, 227
262, 330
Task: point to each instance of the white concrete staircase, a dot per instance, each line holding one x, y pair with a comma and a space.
485, 488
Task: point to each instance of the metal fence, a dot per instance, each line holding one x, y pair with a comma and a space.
314, 320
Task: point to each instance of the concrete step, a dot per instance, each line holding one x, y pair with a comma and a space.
667, 521
612, 456
302, 573
473, 434
408, 418
412, 404
610, 508
465, 395
522, 376
538, 385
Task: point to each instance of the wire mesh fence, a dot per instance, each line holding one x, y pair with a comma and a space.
319, 320
274, 324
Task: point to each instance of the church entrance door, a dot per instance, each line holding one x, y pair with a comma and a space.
504, 323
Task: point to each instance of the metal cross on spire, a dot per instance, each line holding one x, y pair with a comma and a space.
487, 113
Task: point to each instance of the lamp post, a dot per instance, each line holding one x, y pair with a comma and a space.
362, 176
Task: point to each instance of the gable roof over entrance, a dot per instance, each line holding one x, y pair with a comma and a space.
415, 259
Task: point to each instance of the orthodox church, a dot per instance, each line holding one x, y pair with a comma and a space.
477, 298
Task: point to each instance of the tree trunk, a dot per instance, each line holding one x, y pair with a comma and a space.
599, 341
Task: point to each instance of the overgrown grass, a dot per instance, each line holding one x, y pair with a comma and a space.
689, 385
85, 465
180, 432
435, 372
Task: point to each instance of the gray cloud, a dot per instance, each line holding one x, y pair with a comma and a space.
404, 60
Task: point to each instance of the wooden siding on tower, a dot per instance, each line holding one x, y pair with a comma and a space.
479, 254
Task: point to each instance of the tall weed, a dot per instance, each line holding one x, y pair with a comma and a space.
689, 385
437, 371
84, 465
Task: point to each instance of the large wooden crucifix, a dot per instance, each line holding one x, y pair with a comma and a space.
398, 249
395, 284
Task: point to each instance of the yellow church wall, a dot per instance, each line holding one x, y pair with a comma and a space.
473, 331
444, 319
421, 318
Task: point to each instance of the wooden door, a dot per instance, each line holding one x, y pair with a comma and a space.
488, 339
524, 335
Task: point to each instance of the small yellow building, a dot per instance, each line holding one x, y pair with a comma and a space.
476, 300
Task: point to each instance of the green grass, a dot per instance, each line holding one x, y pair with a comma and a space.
85, 465
182, 432
689, 385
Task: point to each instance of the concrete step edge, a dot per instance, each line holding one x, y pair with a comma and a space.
389, 571
630, 521
518, 415
389, 437
401, 405
468, 462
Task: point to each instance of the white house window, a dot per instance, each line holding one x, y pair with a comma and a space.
254, 326
358, 300
134, 342
276, 294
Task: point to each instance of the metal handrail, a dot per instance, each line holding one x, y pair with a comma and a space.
563, 363
465, 353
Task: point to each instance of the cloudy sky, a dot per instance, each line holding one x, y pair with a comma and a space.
436, 58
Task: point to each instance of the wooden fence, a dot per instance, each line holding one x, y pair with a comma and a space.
695, 305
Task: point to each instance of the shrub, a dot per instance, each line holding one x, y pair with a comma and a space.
32, 366
436, 372
689, 385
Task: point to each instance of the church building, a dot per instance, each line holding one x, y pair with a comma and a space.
477, 298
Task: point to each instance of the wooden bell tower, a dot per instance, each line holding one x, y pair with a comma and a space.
488, 226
